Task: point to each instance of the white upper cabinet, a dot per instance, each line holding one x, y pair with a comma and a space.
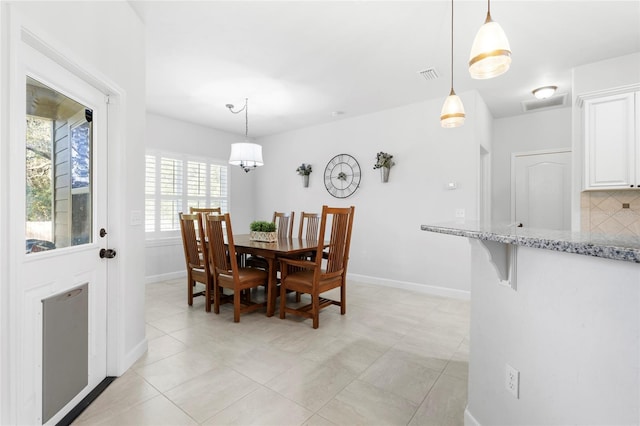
612, 141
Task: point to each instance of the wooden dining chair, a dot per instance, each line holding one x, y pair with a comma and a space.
223, 262
308, 228
203, 211
284, 229
195, 254
284, 224
318, 276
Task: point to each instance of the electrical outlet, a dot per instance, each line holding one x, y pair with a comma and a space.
512, 380
460, 213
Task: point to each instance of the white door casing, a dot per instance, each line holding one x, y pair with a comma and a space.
541, 189
40, 275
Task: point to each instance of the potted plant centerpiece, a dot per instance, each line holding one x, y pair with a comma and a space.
304, 170
263, 231
384, 162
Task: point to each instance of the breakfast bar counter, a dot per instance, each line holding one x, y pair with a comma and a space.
558, 313
618, 247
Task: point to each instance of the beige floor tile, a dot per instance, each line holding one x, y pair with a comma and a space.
264, 363
160, 348
176, 369
262, 407
458, 365
317, 420
180, 320
225, 349
158, 411
363, 404
434, 360
350, 351
445, 404
311, 384
124, 392
211, 392
300, 337
269, 371
152, 332
401, 376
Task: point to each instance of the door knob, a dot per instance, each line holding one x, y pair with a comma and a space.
107, 253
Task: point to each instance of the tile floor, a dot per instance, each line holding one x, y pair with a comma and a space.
396, 358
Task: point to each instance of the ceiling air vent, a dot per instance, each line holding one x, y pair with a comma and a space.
429, 74
552, 102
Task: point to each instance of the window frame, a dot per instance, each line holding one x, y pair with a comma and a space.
185, 198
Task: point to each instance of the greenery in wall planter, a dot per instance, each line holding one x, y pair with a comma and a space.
384, 162
263, 231
304, 170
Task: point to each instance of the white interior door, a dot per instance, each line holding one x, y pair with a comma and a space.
541, 190
56, 238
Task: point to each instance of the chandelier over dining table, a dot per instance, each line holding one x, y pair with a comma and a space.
246, 154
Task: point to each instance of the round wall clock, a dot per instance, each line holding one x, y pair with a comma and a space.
342, 176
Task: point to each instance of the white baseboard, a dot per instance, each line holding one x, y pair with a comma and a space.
164, 277
469, 420
130, 358
421, 288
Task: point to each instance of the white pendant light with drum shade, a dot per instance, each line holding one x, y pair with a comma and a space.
490, 53
452, 114
245, 154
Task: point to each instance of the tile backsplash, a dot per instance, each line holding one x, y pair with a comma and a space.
606, 212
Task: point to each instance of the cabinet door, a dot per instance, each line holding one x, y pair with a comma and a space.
609, 131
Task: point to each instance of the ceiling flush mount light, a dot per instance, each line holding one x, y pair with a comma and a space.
490, 54
544, 92
245, 154
452, 114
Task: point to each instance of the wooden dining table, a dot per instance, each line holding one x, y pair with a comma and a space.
271, 252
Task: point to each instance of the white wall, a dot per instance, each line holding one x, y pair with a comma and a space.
105, 37
165, 258
572, 331
528, 132
387, 244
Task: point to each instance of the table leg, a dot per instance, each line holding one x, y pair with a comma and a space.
271, 286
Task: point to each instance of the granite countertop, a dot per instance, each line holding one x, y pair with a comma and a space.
617, 247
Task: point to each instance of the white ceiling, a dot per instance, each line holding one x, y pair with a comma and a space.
299, 61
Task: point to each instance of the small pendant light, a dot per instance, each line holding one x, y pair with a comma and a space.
452, 114
490, 53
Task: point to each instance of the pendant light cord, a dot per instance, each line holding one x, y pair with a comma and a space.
245, 108
451, 46
246, 118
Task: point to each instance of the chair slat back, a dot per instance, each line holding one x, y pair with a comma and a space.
189, 230
203, 211
337, 254
284, 224
309, 223
222, 257
207, 210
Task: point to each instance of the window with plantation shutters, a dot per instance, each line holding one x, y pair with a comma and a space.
176, 182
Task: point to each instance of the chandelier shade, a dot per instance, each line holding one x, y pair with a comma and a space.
490, 53
247, 155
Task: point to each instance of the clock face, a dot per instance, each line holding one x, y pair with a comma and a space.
342, 176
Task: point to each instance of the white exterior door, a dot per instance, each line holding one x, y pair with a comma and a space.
56, 238
541, 190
